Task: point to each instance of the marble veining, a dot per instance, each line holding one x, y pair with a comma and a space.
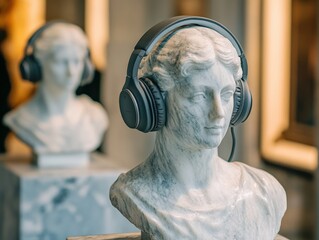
184, 190
52, 204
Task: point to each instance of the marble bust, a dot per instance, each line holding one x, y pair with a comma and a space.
184, 190
55, 120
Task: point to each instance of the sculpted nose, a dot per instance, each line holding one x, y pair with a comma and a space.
70, 68
216, 110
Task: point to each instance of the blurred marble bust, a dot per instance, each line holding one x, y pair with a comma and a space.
55, 122
184, 190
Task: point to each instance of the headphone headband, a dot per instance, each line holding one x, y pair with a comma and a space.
151, 37
29, 48
141, 102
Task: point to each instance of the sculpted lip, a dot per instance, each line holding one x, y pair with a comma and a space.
215, 127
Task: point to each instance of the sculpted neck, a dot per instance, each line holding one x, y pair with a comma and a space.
54, 100
190, 167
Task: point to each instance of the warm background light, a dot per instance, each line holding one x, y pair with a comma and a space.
97, 30
276, 88
21, 19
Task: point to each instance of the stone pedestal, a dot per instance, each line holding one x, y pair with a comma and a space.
51, 204
66, 160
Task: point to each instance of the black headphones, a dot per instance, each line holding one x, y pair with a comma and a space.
30, 68
141, 102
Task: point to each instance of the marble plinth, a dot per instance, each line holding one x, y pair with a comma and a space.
65, 160
52, 204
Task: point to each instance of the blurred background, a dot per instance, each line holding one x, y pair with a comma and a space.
280, 42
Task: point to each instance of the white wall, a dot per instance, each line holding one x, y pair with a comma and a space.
128, 21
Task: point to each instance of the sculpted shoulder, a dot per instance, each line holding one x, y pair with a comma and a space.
262, 178
95, 111
23, 120
129, 193
265, 186
132, 182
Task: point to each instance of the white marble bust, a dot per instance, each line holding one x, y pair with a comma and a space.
55, 120
184, 190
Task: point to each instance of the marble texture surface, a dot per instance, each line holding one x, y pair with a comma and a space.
55, 120
52, 204
184, 189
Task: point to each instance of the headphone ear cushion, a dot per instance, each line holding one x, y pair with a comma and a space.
30, 69
242, 103
88, 71
156, 104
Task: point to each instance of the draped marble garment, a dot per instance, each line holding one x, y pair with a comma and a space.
151, 201
80, 129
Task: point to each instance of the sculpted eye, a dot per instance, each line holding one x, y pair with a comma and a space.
226, 96
56, 60
198, 97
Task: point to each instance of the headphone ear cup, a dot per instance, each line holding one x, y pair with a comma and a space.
30, 69
156, 104
242, 103
88, 71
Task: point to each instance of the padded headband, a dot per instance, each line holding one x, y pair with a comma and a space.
29, 48
151, 37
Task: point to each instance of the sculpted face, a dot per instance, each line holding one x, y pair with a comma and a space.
63, 67
200, 107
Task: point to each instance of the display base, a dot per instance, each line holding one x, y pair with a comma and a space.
53, 204
61, 160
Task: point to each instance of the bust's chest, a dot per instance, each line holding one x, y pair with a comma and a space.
243, 216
